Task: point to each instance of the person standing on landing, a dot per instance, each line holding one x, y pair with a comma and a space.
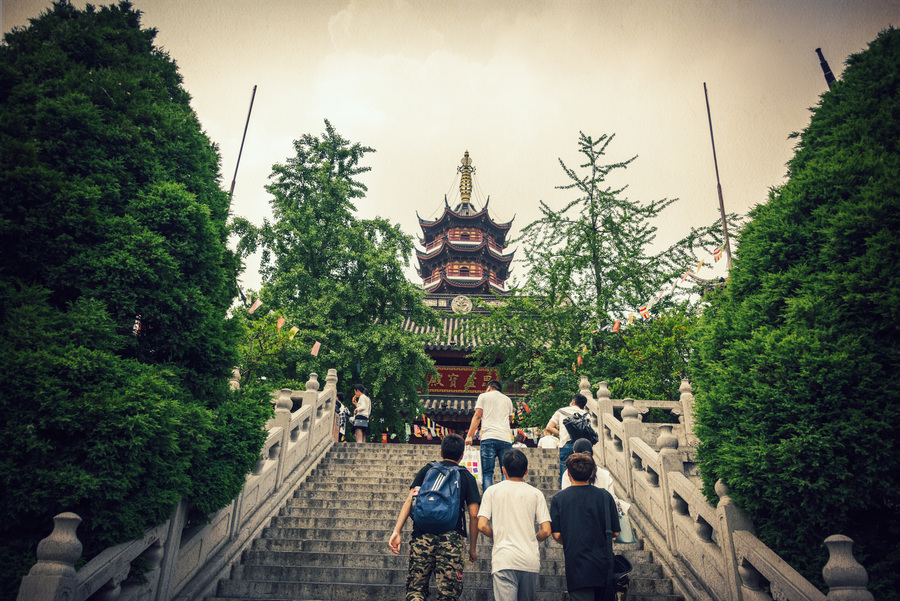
493, 412
442, 554
584, 520
361, 415
513, 508
555, 426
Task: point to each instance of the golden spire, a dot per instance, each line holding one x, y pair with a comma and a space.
465, 180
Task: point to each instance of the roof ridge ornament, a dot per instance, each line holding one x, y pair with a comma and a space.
465, 181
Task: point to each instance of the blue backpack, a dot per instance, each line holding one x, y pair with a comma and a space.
437, 505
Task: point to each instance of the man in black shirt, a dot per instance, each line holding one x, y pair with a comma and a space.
440, 553
584, 520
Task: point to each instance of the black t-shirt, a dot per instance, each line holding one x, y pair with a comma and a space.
586, 517
468, 494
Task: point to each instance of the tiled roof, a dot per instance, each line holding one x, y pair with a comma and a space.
450, 405
447, 339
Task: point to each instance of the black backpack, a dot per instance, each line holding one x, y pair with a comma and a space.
437, 505
579, 426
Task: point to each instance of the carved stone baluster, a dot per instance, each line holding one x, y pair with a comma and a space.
845, 577
731, 518
751, 583
631, 428
670, 462
331, 379
53, 576
604, 412
687, 407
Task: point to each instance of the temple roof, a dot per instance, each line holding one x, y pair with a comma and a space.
448, 337
464, 248
449, 214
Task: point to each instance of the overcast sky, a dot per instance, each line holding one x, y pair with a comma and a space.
513, 83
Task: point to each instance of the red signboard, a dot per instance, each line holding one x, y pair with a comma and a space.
455, 380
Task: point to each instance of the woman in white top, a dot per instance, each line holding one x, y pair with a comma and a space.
361, 416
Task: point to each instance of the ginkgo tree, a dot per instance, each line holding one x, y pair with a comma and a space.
590, 263
339, 280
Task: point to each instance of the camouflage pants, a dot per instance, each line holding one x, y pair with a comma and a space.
441, 554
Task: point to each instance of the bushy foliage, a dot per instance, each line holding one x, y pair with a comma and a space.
116, 280
589, 264
653, 356
796, 365
339, 280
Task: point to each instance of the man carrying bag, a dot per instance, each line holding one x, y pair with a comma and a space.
555, 426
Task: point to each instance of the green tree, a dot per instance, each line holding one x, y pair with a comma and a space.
116, 280
796, 364
339, 279
589, 264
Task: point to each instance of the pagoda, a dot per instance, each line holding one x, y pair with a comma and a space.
463, 259
464, 247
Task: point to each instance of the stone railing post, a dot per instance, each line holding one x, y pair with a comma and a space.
331, 379
670, 462
604, 409
731, 518
631, 426
169, 562
845, 577
283, 405
53, 578
604, 402
687, 407
310, 399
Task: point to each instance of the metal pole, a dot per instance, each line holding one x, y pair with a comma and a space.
829, 76
244, 137
718, 184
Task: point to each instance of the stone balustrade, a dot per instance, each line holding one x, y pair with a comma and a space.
711, 552
171, 563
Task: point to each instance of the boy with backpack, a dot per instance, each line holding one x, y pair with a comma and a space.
441, 495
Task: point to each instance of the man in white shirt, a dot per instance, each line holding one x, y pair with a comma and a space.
493, 412
513, 507
555, 426
548, 440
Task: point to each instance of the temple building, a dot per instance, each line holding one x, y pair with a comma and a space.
463, 258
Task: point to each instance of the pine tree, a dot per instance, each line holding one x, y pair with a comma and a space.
116, 280
797, 360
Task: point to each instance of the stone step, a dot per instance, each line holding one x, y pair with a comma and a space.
277, 547
474, 577
329, 541
374, 481
381, 558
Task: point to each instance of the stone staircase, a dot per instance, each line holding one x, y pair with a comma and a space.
330, 541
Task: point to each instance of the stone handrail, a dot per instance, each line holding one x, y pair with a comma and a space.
710, 551
171, 563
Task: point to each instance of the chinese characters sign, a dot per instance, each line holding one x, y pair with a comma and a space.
455, 380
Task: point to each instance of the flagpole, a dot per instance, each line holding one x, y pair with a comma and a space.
718, 184
244, 137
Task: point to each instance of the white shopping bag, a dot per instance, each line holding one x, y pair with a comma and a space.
471, 460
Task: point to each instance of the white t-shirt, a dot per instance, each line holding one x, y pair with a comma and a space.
548, 442
513, 509
604, 481
496, 409
558, 418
